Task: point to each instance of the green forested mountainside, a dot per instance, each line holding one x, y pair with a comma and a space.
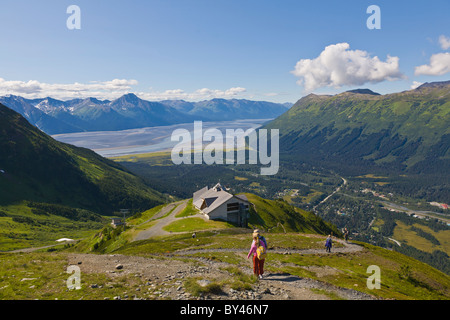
406, 131
38, 168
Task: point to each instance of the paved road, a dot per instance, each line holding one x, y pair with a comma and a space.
157, 229
330, 195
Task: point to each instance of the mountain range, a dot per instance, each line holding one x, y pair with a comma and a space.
356, 129
129, 112
233, 109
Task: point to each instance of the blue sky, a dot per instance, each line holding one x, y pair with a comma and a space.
201, 49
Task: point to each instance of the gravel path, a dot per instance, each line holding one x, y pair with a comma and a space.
348, 248
168, 274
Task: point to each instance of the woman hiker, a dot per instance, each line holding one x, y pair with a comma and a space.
258, 265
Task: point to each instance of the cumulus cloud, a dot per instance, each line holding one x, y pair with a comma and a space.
35, 89
416, 84
200, 94
439, 65
112, 89
338, 66
445, 42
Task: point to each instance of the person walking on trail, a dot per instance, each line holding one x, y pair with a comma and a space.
328, 244
346, 234
264, 241
258, 262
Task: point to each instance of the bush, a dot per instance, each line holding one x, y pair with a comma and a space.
405, 272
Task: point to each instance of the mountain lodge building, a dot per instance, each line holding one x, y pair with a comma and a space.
218, 204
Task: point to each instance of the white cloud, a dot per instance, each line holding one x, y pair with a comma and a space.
36, 89
439, 65
416, 84
338, 66
445, 42
200, 94
112, 89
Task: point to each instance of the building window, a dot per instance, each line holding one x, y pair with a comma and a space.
233, 206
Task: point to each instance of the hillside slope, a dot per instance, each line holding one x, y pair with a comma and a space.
38, 168
182, 217
279, 216
213, 265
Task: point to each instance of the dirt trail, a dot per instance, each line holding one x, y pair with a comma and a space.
168, 274
347, 248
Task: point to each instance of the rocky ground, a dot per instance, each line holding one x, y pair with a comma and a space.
165, 279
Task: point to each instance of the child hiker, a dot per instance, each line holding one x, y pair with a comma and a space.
258, 262
264, 241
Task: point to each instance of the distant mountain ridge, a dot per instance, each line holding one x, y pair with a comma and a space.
437, 84
129, 112
36, 116
230, 109
408, 130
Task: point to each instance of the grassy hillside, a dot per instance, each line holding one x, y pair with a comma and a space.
280, 216
38, 168
26, 224
51, 190
402, 278
267, 215
172, 266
